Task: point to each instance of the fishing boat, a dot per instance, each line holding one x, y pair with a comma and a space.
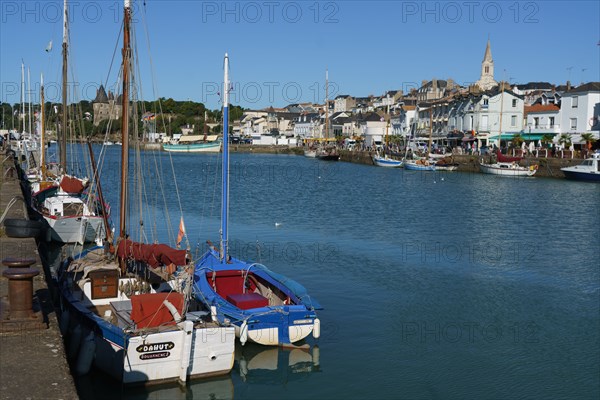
310, 153
265, 307
588, 170
128, 309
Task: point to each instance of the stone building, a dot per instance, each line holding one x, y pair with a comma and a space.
106, 106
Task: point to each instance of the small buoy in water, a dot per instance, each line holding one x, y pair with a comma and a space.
442, 179
278, 224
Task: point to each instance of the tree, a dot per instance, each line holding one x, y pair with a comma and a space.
565, 140
547, 139
589, 139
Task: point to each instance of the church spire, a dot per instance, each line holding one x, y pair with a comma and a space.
488, 53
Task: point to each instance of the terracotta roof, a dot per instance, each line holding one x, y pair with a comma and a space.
541, 108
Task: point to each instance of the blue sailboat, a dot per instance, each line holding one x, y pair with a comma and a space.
263, 306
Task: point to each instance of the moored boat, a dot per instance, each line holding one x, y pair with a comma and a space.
265, 307
588, 170
507, 169
385, 161
131, 311
419, 165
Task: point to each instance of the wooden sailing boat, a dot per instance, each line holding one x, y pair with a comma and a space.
71, 216
133, 330
264, 307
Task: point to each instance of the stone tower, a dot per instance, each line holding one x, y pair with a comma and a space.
486, 81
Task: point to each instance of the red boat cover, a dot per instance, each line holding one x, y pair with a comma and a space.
71, 185
503, 158
155, 255
148, 310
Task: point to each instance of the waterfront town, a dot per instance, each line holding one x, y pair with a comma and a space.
545, 116
422, 285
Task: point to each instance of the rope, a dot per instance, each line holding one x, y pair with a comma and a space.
11, 203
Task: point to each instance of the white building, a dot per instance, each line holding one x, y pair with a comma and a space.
580, 111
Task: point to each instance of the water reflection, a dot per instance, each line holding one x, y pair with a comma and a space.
275, 365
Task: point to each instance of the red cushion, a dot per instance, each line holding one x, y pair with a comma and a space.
247, 301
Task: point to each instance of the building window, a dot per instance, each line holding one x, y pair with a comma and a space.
536, 122
513, 120
573, 124
574, 102
486, 102
514, 102
551, 122
487, 69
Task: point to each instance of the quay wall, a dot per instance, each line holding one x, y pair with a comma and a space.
33, 364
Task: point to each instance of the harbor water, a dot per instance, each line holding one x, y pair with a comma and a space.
434, 285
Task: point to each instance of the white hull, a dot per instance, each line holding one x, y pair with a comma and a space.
193, 148
507, 169
310, 153
270, 336
386, 162
82, 229
148, 359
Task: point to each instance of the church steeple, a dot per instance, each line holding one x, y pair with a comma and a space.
486, 80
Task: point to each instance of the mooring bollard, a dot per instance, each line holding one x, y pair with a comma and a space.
14, 262
20, 292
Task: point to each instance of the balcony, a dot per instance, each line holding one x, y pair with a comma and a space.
542, 128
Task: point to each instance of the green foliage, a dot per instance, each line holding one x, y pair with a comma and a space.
565, 140
517, 140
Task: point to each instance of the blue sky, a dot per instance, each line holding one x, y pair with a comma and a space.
279, 49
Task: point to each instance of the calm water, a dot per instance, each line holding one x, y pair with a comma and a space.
444, 285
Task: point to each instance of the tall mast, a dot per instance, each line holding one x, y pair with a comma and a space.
225, 178
326, 104
23, 95
29, 99
125, 119
62, 139
43, 131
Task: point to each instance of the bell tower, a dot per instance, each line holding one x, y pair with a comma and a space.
486, 80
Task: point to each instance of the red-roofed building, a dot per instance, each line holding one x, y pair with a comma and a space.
542, 119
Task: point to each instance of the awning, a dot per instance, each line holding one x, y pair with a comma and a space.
525, 136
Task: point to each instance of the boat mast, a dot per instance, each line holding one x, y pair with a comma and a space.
125, 120
225, 183
326, 105
43, 131
23, 95
501, 109
430, 129
62, 139
29, 99
109, 238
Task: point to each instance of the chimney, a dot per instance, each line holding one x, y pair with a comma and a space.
434, 84
450, 84
423, 83
568, 85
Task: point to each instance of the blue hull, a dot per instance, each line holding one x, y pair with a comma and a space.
284, 323
582, 176
417, 167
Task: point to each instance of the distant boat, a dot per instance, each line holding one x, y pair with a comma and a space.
310, 153
214, 147
419, 165
507, 169
385, 161
588, 170
194, 144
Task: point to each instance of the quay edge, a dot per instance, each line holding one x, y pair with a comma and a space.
32, 362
